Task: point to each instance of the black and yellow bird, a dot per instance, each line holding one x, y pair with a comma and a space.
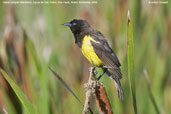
96, 49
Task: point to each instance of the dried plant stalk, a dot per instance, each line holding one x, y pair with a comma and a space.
87, 103
89, 93
102, 99
95, 88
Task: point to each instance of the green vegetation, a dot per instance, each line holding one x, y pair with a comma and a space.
32, 38
131, 59
25, 102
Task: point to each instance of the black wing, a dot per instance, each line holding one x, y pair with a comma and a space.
106, 54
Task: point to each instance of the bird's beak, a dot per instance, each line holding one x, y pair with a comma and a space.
67, 24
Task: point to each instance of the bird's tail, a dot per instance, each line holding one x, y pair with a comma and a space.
119, 88
117, 84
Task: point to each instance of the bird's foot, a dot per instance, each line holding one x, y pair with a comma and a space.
93, 69
102, 74
95, 72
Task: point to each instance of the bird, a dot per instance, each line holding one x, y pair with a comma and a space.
96, 49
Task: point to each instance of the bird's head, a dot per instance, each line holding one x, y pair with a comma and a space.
78, 25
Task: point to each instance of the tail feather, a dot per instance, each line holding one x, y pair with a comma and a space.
119, 89
116, 80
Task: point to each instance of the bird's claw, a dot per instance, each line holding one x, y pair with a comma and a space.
95, 72
91, 68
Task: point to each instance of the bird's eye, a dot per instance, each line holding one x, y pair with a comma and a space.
74, 24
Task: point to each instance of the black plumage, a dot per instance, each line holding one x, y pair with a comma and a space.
111, 64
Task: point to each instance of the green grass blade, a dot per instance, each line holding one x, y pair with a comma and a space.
66, 85
131, 74
23, 99
150, 92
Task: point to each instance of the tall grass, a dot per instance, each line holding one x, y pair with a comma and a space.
150, 92
23, 99
47, 43
131, 74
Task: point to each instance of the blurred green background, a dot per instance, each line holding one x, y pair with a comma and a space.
32, 38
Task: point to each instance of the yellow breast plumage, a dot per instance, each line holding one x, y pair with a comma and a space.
88, 51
